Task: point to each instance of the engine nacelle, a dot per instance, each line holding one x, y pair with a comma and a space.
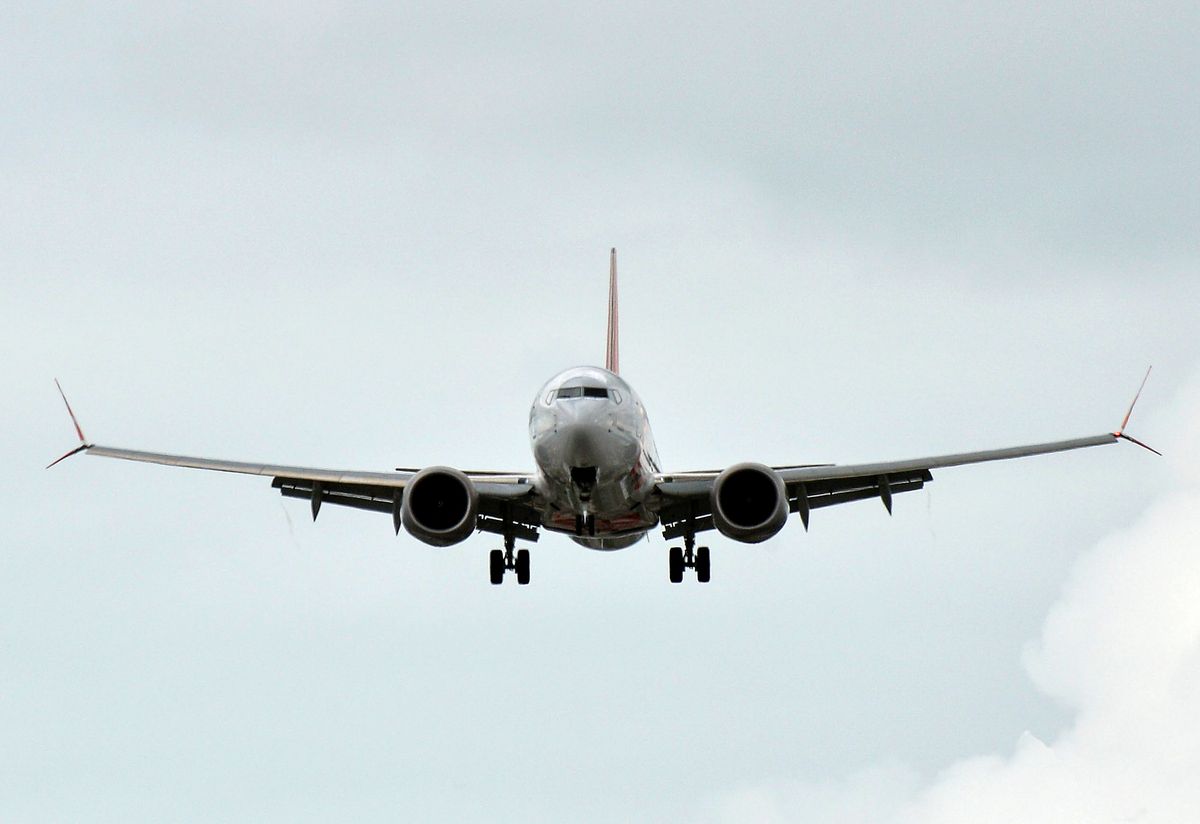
440, 506
749, 503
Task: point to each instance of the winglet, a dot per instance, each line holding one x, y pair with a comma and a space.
1120, 433
611, 352
83, 444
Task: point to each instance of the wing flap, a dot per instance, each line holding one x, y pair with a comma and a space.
357, 496
831, 494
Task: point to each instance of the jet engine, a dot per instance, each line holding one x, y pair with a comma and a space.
749, 503
440, 506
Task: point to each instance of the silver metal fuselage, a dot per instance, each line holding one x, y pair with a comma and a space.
595, 456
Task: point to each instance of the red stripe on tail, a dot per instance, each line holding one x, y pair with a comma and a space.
71, 412
612, 350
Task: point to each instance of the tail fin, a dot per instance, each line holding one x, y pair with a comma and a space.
611, 352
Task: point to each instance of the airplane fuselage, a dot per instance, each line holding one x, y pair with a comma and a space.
596, 458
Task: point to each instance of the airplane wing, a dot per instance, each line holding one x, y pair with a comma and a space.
684, 500
501, 485
687, 496
502, 495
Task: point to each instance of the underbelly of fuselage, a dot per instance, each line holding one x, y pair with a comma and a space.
611, 543
604, 531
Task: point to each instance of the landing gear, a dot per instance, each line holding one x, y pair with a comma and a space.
703, 565
676, 559
689, 557
522, 566
496, 565
503, 560
585, 525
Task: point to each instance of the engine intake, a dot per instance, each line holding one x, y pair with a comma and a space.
440, 506
749, 503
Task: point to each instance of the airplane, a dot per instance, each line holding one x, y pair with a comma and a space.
599, 480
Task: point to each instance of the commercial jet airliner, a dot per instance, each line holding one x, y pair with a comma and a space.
598, 479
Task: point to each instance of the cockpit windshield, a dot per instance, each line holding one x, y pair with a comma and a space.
581, 392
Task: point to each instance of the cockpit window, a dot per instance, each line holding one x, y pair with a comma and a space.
581, 392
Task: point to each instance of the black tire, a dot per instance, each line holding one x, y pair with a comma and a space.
703, 565
496, 565
676, 564
522, 566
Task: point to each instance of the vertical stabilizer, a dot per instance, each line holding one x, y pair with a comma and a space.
611, 352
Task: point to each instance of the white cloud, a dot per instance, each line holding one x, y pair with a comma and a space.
865, 797
1121, 648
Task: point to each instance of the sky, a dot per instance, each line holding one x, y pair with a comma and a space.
363, 235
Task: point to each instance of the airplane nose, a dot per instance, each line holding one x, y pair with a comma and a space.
575, 454
583, 439
581, 442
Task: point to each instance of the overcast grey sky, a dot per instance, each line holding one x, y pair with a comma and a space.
353, 235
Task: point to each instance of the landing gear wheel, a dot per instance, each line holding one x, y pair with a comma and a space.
496, 566
676, 563
703, 565
522, 566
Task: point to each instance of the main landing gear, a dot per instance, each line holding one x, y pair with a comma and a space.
689, 557
503, 560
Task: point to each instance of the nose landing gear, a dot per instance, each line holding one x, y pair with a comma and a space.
584, 478
504, 560
690, 557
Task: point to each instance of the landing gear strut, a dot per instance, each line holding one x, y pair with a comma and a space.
503, 560
690, 557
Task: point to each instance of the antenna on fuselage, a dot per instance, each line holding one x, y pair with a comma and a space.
611, 353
